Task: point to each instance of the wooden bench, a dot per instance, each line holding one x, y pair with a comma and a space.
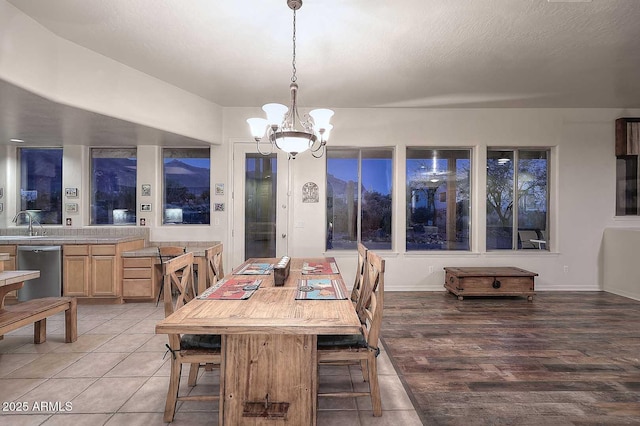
36, 311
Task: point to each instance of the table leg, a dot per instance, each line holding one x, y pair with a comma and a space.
278, 372
5, 289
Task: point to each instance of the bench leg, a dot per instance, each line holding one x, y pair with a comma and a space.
71, 322
40, 331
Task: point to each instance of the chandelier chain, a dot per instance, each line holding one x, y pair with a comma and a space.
294, 78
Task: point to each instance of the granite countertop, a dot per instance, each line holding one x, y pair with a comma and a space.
196, 247
39, 240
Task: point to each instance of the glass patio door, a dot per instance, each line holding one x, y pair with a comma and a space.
260, 204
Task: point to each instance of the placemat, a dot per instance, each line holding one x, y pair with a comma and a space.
320, 289
319, 268
231, 289
255, 269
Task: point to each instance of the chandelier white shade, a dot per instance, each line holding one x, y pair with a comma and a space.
283, 128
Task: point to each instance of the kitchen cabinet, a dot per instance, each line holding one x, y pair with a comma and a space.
9, 265
75, 270
92, 271
140, 277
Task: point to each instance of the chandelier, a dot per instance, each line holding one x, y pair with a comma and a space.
284, 128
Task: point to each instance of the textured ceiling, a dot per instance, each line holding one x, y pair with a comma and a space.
365, 53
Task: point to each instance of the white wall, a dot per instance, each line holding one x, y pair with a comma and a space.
621, 266
582, 186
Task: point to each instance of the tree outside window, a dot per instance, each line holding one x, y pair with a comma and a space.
517, 199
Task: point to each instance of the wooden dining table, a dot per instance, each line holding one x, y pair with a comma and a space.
269, 363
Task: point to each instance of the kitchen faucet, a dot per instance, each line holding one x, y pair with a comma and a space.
31, 219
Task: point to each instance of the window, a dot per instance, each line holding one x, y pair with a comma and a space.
113, 186
187, 185
517, 199
627, 176
41, 184
359, 183
438, 205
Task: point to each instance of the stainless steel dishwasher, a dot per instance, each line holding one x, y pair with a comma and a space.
47, 260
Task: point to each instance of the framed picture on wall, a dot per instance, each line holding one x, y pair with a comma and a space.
146, 190
71, 207
145, 207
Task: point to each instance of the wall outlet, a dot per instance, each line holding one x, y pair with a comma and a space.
431, 269
565, 268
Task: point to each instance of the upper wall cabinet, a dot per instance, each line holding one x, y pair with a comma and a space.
627, 136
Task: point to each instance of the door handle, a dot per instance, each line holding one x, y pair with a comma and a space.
284, 235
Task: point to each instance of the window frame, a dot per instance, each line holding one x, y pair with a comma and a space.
22, 220
92, 200
392, 157
191, 153
414, 149
516, 198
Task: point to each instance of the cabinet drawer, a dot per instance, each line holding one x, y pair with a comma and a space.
8, 249
103, 250
136, 273
137, 262
137, 288
76, 250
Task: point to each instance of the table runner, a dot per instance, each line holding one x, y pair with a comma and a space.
319, 268
231, 289
320, 289
255, 269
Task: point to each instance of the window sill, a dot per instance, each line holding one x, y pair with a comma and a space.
522, 253
441, 253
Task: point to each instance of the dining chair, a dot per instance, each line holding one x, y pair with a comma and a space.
215, 269
361, 348
215, 272
359, 280
192, 349
165, 253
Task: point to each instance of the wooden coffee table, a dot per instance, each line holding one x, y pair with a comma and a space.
489, 281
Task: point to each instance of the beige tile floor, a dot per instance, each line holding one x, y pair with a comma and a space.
117, 374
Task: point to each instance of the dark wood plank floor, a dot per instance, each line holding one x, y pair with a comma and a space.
566, 358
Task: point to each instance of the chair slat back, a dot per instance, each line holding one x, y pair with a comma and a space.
357, 285
215, 269
373, 298
178, 272
167, 252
